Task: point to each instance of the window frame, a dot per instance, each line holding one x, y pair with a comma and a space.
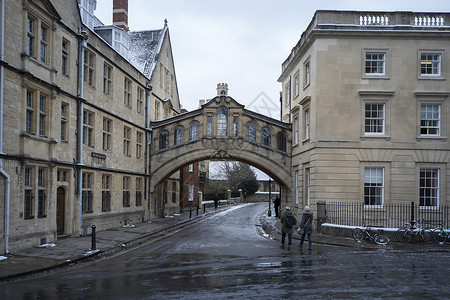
369, 185
194, 131
427, 127
442, 64
250, 133
376, 133
106, 192
65, 57
107, 79
139, 142
266, 137
88, 128
127, 140
126, 191
64, 121
107, 133
386, 63
178, 136
87, 184
163, 138
222, 121
89, 68
434, 191
127, 92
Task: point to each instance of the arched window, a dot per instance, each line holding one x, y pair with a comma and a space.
178, 137
222, 121
265, 137
281, 142
164, 140
194, 131
251, 131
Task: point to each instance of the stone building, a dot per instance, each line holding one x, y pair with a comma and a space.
367, 94
77, 99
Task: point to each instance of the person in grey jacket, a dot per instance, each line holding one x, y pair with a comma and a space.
306, 226
288, 220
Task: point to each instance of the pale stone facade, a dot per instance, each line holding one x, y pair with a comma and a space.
368, 98
74, 142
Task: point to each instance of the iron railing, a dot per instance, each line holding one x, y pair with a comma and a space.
387, 216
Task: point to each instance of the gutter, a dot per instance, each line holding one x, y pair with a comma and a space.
2, 171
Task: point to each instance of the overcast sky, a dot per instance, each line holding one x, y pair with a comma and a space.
240, 42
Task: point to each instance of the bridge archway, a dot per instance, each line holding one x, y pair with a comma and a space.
221, 129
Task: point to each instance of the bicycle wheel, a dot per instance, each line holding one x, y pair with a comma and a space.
358, 234
439, 236
427, 236
403, 235
381, 239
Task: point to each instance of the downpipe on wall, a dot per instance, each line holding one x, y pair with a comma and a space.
2, 171
82, 46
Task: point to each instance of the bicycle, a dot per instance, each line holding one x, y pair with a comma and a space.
378, 238
405, 234
441, 234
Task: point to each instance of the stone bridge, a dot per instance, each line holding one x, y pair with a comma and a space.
221, 129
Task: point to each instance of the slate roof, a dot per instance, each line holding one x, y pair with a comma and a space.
144, 49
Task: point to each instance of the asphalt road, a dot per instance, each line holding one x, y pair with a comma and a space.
223, 256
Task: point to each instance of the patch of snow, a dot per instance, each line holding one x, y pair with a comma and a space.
91, 252
129, 225
51, 245
3, 257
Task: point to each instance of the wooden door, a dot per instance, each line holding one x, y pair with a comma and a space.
60, 210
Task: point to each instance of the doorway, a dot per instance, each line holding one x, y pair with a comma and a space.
60, 210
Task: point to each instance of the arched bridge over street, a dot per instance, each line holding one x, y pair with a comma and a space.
221, 129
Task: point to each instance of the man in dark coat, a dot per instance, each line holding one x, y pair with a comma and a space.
276, 204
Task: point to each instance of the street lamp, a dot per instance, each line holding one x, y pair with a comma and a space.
269, 213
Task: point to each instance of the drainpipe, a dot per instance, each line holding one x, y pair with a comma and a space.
2, 171
82, 45
148, 142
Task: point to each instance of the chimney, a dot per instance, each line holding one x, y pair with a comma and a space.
120, 14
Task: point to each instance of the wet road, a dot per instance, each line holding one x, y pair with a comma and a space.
223, 257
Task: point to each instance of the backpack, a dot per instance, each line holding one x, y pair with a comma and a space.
289, 221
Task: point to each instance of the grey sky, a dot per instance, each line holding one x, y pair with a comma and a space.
240, 42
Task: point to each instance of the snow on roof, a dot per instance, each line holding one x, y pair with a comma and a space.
144, 47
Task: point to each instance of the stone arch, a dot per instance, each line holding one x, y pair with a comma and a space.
276, 165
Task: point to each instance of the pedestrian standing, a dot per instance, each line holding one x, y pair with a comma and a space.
306, 227
216, 201
276, 204
288, 220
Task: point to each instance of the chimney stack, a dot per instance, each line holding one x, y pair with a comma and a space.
120, 14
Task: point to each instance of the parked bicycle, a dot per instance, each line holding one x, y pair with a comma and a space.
374, 235
406, 234
441, 234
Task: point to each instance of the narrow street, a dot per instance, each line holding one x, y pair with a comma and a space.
223, 256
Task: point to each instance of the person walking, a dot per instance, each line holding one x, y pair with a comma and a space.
306, 227
288, 220
276, 204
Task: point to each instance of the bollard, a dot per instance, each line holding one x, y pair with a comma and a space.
197, 210
93, 242
204, 208
190, 212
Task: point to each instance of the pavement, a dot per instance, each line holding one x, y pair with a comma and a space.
73, 250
